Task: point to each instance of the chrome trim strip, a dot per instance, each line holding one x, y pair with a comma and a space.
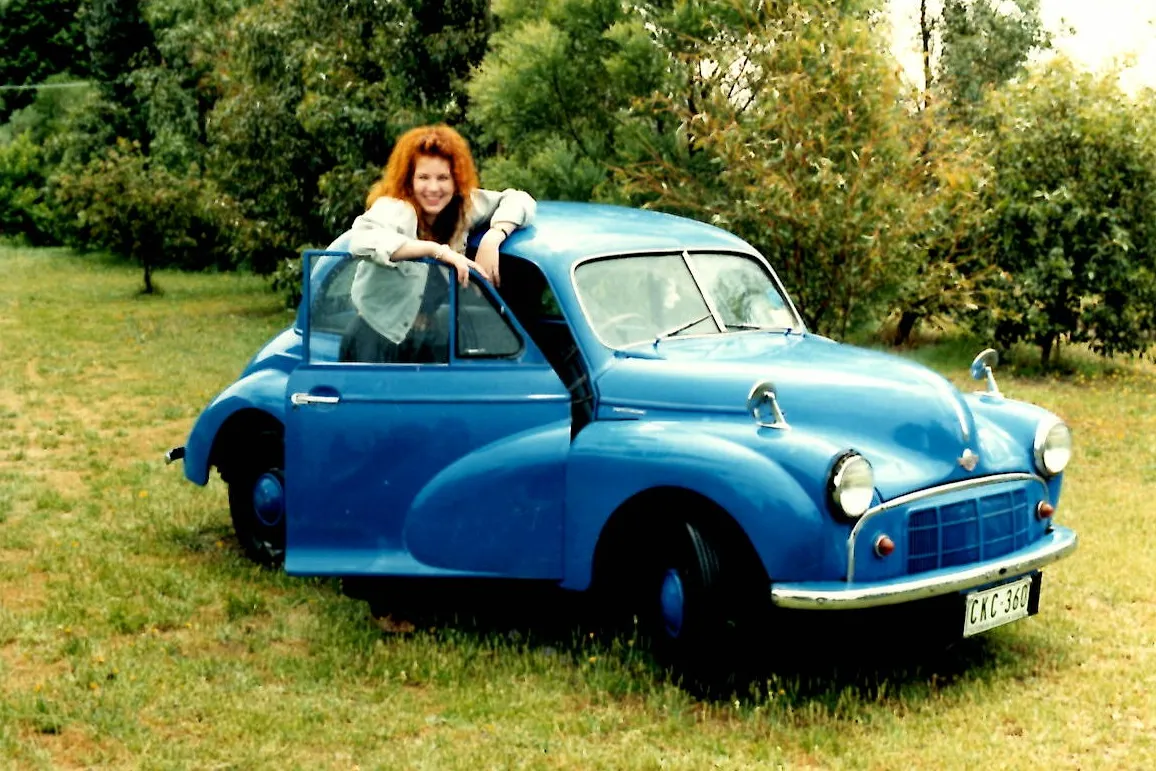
930, 492
647, 405
965, 431
816, 596
303, 399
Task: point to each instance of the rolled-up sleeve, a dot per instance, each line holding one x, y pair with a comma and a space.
382, 230
509, 205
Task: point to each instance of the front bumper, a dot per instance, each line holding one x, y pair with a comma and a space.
840, 595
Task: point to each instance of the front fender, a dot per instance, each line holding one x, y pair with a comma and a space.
1007, 430
611, 462
263, 390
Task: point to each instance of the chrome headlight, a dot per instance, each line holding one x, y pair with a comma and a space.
851, 485
1053, 446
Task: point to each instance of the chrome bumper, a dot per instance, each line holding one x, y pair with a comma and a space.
839, 595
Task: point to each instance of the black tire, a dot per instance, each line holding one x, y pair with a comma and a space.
689, 607
257, 499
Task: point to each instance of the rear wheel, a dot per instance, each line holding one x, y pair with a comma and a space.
257, 499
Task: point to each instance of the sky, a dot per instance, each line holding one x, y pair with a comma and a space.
1103, 29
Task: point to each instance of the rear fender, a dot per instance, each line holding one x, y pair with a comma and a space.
262, 391
611, 462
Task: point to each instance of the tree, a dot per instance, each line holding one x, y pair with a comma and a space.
314, 94
179, 88
800, 146
119, 40
983, 44
38, 39
555, 93
123, 203
1072, 213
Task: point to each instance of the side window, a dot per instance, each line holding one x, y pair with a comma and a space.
482, 332
368, 314
332, 309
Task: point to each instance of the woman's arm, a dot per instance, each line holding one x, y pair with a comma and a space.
386, 233
505, 212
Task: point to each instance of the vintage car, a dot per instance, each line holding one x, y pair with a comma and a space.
639, 409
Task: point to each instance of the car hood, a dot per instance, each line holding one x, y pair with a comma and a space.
910, 422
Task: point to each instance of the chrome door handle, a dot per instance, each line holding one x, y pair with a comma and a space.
300, 399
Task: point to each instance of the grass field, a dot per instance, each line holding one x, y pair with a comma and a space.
134, 635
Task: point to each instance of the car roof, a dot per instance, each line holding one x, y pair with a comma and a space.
564, 232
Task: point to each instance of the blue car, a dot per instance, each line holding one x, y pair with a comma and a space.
640, 411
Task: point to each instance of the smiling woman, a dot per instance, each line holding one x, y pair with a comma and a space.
424, 206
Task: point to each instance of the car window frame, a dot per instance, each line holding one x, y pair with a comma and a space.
305, 317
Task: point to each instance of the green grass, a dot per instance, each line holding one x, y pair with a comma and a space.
134, 635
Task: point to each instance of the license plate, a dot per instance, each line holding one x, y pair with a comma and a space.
989, 608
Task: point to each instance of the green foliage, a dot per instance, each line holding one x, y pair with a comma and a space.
119, 40
139, 210
314, 95
49, 114
1072, 213
984, 44
181, 87
38, 39
556, 91
23, 209
796, 142
286, 280
944, 217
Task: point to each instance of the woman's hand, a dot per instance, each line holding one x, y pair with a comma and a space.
460, 264
487, 256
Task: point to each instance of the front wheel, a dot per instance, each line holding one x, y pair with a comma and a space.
257, 500
690, 605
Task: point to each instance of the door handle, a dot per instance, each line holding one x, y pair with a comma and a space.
300, 399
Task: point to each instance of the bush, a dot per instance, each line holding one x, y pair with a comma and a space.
1072, 214
24, 212
800, 146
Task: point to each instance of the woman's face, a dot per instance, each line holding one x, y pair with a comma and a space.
433, 185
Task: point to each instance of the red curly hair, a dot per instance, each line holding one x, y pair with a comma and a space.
396, 181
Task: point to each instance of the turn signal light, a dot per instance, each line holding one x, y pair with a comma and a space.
884, 546
1045, 510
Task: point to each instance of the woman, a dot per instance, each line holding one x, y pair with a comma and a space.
425, 205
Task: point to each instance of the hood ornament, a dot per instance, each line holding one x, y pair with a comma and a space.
969, 460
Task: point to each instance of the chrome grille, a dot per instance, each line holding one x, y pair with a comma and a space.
967, 531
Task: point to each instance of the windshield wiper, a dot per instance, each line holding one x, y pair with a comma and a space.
757, 327
680, 328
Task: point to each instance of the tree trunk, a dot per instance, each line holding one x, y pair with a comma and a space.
1046, 344
148, 276
906, 326
925, 39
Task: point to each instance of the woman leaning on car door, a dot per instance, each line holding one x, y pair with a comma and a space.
425, 205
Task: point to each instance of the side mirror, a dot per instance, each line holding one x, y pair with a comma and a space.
981, 369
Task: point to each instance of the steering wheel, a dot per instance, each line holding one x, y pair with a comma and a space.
623, 326
622, 318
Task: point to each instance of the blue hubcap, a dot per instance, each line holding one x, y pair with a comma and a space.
269, 499
673, 602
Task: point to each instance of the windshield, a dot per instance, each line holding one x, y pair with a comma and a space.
645, 298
